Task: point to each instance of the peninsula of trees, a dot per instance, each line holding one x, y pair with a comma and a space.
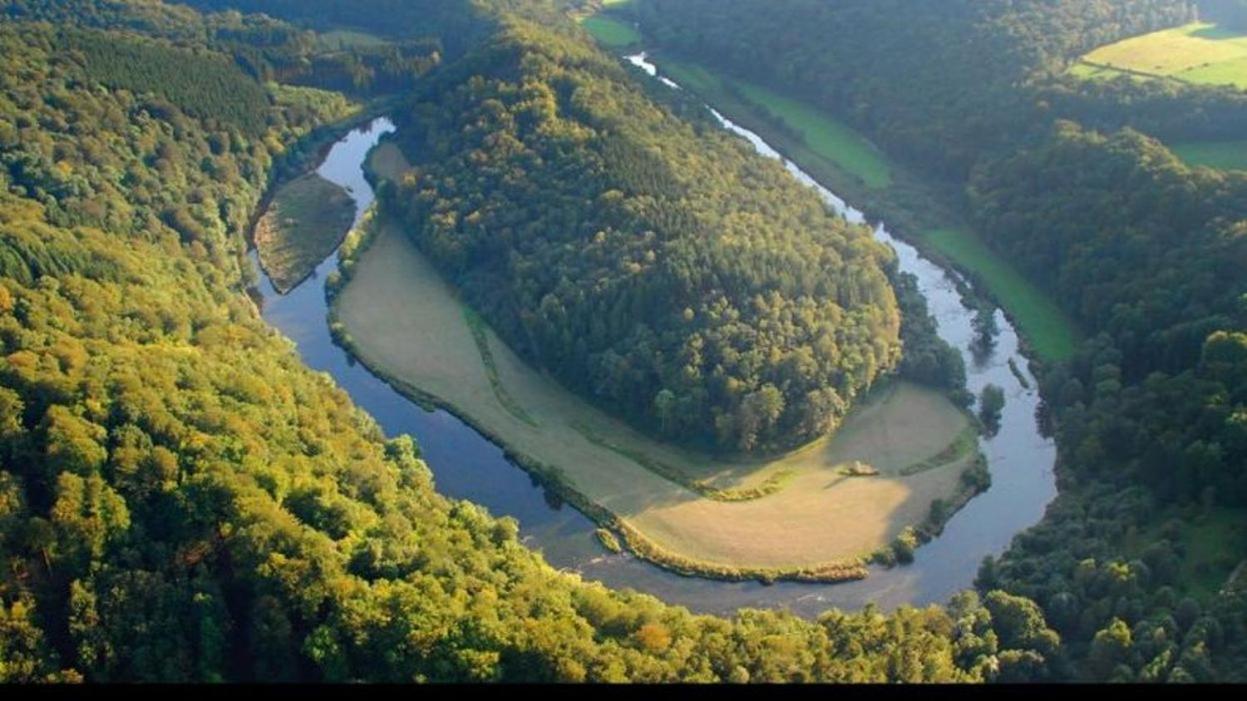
658, 268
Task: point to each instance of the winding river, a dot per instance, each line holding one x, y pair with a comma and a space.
468, 466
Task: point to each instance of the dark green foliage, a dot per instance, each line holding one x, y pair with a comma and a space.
456, 23
926, 357
1231, 14
182, 500
991, 403
936, 83
201, 85
665, 272
265, 48
1142, 250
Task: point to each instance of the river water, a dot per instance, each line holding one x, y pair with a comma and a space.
467, 466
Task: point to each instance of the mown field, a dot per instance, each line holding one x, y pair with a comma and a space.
1198, 53
303, 224
404, 321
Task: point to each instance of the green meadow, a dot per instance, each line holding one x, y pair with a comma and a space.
1197, 53
1224, 155
820, 135
611, 32
1049, 330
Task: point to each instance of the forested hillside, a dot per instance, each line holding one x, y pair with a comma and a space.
664, 271
1151, 253
266, 49
180, 499
1131, 562
935, 83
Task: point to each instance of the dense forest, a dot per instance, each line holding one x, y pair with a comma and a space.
181, 499
1151, 253
266, 49
664, 271
1064, 178
936, 83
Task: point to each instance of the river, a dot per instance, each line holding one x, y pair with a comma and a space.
468, 466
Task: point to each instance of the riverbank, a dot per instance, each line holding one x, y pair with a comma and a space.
915, 209
467, 465
806, 515
820, 523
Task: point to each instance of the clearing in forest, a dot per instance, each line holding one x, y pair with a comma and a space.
304, 223
611, 32
1223, 155
801, 510
347, 39
1197, 53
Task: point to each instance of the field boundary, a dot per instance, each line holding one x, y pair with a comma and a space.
477, 326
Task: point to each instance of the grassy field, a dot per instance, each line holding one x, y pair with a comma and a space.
1047, 328
1224, 155
405, 322
342, 39
611, 32
303, 224
821, 136
1197, 53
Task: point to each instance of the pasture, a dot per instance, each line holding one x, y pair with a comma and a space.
611, 32
1197, 53
819, 134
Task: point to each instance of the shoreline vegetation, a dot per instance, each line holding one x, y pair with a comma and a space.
951, 468
910, 205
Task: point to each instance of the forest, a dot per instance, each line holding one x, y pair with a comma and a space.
661, 271
935, 83
1072, 182
182, 500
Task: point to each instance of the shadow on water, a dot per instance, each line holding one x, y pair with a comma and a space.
468, 466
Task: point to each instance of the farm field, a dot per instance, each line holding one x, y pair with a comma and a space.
303, 224
1198, 53
406, 322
